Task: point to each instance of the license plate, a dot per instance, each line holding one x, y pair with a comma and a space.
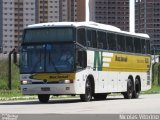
45, 89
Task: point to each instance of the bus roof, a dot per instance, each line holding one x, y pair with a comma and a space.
87, 24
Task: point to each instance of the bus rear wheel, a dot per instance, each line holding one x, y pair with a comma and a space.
88, 92
43, 98
137, 90
129, 93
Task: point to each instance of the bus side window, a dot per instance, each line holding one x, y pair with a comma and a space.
129, 44
148, 46
94, 38
111, 41
137, 45
143, 46
81, 36
102, 41
121, 40
91, 38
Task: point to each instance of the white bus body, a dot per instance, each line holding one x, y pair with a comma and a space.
106, 70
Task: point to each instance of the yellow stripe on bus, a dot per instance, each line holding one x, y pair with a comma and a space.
127, 63
53, 76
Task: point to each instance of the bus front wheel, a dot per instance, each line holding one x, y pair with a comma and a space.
128, 94
43, 98
88, 92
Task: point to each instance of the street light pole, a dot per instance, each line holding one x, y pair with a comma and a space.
9, 69
132, 16
87, 14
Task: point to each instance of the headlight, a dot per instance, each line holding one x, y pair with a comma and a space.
25, 82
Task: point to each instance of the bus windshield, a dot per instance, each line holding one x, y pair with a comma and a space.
47, 58
39, 35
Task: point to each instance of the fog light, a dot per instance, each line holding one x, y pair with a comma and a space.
66, 81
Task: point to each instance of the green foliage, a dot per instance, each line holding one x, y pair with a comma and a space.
155, 74
155, 79
10, 93
153, 90
4, 75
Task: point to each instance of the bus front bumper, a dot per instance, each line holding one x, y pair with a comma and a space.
53, 89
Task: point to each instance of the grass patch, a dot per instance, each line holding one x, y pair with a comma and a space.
13, 95
10, 93
4, 76
153, 90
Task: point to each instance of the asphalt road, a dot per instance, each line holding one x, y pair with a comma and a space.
146, 104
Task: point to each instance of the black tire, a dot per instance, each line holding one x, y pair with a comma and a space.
88, 92
43, 98
101, 96
137, 90
129, 93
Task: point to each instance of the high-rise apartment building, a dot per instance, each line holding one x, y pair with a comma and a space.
56, 10
42, 10
148, 21
72, 10
15, 15
1, 26
53, 10
81, 10
7, 27
113, 12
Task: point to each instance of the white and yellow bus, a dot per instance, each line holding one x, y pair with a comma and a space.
83, 58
